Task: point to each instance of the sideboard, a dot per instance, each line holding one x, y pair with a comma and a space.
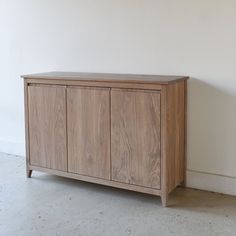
120, 130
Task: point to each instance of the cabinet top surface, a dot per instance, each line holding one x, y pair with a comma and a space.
105, 77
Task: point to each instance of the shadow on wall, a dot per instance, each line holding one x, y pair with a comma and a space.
211, 129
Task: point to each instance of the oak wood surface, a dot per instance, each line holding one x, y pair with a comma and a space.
47, 126
104, 77
185, 132
98, 84
175, 134
125, 131
95, 180
135, 137
164, 164
88, 124
26, 107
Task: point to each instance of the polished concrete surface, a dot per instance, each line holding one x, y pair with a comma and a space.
50, 205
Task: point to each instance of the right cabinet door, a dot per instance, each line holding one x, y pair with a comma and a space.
135, 137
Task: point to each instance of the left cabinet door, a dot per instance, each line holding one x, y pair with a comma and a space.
47, 126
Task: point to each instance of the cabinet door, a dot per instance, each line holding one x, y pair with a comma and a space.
47, 126
135, 137
89, 131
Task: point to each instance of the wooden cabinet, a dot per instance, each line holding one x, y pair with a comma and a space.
125, 131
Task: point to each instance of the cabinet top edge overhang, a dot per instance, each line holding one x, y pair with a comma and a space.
107, 77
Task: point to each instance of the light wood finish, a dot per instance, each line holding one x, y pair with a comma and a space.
185, 131
47, 126
164, 164
95, 180
101, 77
88, 119
107, 84
174, 139
175, 134
135, 137
125, 131
27, 151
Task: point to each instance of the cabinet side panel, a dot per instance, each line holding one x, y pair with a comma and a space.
135, 137
89, 131
47, 126
26, 125
175, 134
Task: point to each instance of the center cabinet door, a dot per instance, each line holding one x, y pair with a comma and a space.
135, 137
88, 124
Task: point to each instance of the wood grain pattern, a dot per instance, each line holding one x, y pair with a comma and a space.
175, 134
135, 137
125, 131
95, 180
89, 131
47, 126
164, 164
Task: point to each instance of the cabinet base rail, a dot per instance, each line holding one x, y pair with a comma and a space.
105, 182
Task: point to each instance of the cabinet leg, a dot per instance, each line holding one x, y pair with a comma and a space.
183, 184
164, 200
29, 173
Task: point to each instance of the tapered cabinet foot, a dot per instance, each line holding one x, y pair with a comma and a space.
29, 173
164, 200
183, 184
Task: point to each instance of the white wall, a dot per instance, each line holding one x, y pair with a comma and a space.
182, 37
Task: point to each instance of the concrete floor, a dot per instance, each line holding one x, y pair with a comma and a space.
50, 205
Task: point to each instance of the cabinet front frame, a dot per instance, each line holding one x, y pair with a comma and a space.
108, 85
